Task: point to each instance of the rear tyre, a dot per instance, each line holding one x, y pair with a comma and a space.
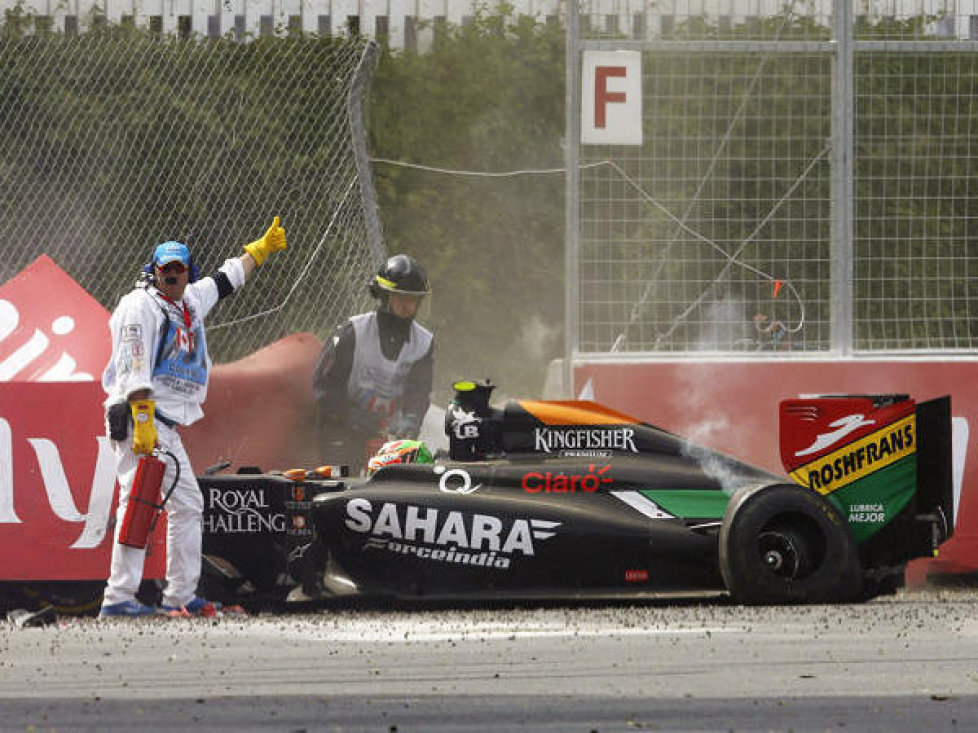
783, 543
882, 582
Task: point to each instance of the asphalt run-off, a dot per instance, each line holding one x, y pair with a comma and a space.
903, 662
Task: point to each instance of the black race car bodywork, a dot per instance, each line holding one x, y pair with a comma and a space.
571, 499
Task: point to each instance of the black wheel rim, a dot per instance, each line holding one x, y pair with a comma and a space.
791, 549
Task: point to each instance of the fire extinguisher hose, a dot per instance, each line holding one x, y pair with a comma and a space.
173, 485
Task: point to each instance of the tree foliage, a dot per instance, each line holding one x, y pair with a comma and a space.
489, 97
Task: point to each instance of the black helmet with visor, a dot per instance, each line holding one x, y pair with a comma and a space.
400, 274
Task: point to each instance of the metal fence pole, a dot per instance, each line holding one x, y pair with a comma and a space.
571, 205
841, 331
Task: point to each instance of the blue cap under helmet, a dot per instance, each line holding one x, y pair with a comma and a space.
171, 252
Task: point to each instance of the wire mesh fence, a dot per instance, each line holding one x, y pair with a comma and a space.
119, 139
915, 247
771, 206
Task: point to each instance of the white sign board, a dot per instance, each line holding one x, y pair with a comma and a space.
611, 98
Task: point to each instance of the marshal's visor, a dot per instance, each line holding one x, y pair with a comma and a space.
391, 287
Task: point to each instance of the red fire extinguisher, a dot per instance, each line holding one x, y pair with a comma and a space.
144, 501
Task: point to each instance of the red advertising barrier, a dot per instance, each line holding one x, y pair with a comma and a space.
732, 406
57, 484
57, 470
51, 329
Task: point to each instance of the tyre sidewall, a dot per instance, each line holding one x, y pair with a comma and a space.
837, 577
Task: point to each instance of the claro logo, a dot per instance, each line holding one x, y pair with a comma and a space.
564, 483
447, 536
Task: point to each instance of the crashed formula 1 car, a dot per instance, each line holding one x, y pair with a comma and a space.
567, 499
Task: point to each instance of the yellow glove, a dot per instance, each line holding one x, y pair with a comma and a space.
273, 241
143, 430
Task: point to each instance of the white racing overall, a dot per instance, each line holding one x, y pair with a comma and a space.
161, 346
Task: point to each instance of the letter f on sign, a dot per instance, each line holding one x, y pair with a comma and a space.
611, 98
602, 97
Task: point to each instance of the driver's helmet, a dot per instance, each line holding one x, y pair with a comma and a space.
395, 452
400, 274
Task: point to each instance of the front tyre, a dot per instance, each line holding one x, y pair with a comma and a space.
782, 543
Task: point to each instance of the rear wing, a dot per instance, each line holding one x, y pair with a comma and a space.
883, 460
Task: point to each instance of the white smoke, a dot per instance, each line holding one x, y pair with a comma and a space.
433, 429
724, 327
713, 465
703, 434
699, 388
538, 340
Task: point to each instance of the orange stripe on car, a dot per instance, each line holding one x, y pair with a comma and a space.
575, 412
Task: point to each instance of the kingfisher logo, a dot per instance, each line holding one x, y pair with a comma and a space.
549, 440
563, 483
450, 537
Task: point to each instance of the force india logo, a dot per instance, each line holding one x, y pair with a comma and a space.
450, 537
860, 458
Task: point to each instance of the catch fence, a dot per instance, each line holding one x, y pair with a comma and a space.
119, 139
806, 183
